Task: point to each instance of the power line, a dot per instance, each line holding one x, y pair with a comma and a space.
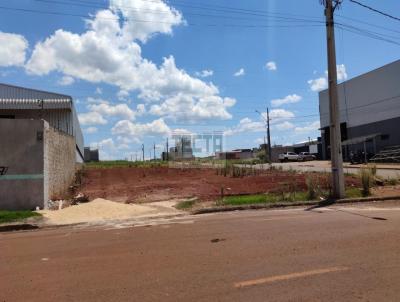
131, 8
375, 10
25, 10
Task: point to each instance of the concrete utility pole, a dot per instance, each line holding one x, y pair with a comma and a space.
167, 150
269, 138
143, 151
335, 136
154, 147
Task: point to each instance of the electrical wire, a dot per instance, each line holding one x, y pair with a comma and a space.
375, 10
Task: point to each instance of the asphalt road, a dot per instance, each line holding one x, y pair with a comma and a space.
324, 166
325, 254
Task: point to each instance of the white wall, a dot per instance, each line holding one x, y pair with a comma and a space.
380, 86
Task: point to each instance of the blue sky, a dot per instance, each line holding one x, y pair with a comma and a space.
141, 70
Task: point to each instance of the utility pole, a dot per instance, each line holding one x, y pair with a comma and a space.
154, 147
269, 138
143, 151
167, 150
335, 135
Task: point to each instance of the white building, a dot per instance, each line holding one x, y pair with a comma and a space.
369, 111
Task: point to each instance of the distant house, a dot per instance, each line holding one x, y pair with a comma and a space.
369, 108
41, 145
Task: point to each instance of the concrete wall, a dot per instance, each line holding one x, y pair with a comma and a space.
40, 161
59, 162
21, 150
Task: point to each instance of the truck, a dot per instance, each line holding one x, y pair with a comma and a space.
307, 156
289, 156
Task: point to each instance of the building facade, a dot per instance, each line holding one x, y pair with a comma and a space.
369, 107
41, 144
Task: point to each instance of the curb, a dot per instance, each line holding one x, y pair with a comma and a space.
290, 204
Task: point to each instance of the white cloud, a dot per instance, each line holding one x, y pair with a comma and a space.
321, 83
99, 90
290, 99
144, 19
279, 115
141, 109
13, 49
122, 95
184, 107
284, 126
308, 128
91, 118
120, 110
271, 65
341, 72
131, 130
205, 73
318, 84
109, 52
239, 73
246, 125
90, 130
66, 80
108, 149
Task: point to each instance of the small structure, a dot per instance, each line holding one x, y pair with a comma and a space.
235, 154
183, 149
41, 145
91, 155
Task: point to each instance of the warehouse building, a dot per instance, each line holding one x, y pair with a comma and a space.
369, 112
41, 146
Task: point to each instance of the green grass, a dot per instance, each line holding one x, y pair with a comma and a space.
271, 198
11, 216
125, 163
353, 193
185, 205
263, 198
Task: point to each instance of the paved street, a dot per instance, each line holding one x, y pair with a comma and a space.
325, 254
383, 170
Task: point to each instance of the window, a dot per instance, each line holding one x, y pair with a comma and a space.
385, 137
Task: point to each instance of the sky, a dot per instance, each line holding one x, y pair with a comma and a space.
142, 71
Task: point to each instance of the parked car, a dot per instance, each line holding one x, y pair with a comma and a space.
288, 156
307, 156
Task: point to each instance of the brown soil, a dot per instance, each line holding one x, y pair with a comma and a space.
162, 183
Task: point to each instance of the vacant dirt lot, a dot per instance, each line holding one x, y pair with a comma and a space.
162, 183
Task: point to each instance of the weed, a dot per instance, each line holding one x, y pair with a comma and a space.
393, 181
366, 181
10, 216
312, 187
186, 204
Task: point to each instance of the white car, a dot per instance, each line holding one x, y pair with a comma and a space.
289, 156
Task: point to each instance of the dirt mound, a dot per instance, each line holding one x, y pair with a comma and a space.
162, 183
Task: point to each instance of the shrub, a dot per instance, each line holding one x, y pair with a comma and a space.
366, 181
312, 188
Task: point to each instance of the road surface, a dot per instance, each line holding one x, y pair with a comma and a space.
383, 170
324, 254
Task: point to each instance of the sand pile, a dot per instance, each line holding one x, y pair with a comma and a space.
100, 210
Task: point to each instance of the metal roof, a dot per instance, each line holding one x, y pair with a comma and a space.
35, 103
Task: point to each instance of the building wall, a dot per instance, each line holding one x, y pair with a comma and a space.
369, 98
40, 161
21, 150
59, 162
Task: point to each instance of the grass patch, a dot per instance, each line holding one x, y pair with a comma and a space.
127, 164
11, 216
263, 198
185, 205
353, 193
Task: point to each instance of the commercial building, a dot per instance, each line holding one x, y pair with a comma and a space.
235, 154
91, 155
369, 108
183, 149
41, 145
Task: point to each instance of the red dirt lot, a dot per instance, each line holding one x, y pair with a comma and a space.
163, 183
